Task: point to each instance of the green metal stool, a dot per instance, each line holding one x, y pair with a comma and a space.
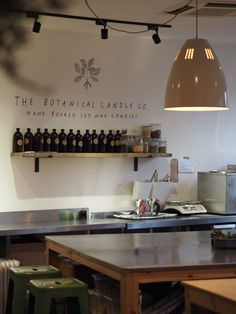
18, 285
71, 292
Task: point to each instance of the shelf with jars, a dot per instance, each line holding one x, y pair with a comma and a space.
38, 155
54, 145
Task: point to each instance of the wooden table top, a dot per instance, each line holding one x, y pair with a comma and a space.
148, 251
225, 288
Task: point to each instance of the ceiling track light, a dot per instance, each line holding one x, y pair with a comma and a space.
97, 20
104, 32
37, 25
156, 38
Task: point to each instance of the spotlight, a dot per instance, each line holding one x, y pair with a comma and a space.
104, 33
156, 37
36, 26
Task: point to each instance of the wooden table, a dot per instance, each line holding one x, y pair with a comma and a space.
145, 257
217, 295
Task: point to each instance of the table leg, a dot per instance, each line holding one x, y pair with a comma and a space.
130, 299
5, 242
51, 257
187, 302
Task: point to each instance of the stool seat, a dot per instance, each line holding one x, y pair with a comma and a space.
72, 292
18, 284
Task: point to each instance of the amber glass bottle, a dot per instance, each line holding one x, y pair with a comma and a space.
28, 141
102, 142
87, 142
38, 141
46, 141
17, 146
94, 142
117, 141
62, 141
79, 142
71, 142
110, 142
54, 141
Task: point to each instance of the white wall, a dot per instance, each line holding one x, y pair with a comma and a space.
133, 70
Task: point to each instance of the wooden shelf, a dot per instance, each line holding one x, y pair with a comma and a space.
38, 155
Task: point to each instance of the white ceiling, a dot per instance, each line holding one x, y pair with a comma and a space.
152, 11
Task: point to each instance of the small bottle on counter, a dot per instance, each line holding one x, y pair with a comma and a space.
71, 142
87, 142
54, 141
62, 141
102, 142
94, 142
38, 141
79, 142
28, 141
46, 141
17, 146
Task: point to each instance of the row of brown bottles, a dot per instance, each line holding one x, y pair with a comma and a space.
62, 142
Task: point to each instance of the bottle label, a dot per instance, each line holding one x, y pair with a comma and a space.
57, 140
112, 143
95, 141
64, 142
74, 142
80, 143
42, 141
26, 141
105, 141
117, 142
48, 141
19, 142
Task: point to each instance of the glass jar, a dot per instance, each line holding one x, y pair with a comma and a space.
156, 130
162, 146
146, 145
124, 147
146, 131
154, 145
138, 145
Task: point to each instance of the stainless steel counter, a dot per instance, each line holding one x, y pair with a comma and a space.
182, 221
48, 222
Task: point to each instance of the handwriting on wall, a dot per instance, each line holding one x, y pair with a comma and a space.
79, 109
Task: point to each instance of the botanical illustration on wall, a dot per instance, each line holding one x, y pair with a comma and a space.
87, 73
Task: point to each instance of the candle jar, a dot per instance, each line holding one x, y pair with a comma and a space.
146, 131
156, 130
138, 145
162, 146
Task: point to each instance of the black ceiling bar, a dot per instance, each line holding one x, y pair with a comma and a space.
99, 21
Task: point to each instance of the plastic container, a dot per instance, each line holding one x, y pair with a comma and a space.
124, 145
154, 146
146, 145
162, 146
156, 130
146, 131
137, 145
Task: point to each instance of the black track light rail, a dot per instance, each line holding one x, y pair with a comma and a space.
98, 21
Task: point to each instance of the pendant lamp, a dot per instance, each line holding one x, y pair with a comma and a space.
196, 81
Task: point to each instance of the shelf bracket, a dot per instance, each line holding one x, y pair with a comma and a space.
36, 164
135, 163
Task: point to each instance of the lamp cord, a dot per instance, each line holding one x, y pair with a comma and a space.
196, 18
125, 31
